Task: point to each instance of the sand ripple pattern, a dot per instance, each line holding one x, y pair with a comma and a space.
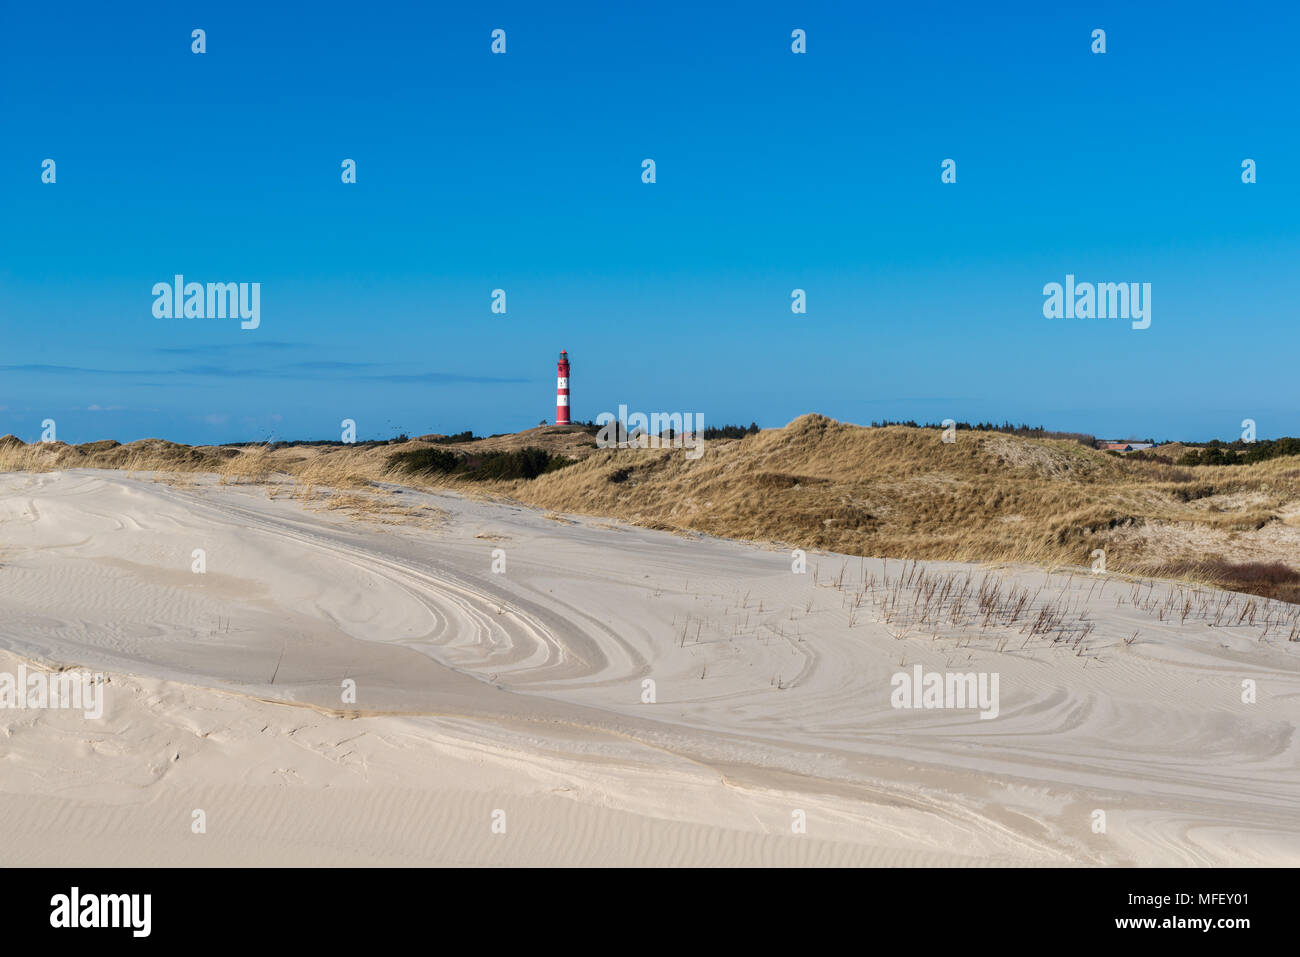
761, 677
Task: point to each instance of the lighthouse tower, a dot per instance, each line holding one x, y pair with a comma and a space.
562, 390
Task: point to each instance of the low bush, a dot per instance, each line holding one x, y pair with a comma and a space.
479, 467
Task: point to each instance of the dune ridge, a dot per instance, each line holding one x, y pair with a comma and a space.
894, 492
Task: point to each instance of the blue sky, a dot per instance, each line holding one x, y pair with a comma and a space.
775, 171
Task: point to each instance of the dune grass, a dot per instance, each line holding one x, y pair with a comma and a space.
818, 484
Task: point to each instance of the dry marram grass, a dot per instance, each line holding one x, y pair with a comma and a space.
821, 484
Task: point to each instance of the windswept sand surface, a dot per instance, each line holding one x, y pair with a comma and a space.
521, 692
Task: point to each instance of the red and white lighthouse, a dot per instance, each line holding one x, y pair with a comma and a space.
562, 390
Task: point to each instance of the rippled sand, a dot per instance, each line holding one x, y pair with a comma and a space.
517, 698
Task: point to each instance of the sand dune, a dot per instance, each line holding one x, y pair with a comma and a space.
522, 691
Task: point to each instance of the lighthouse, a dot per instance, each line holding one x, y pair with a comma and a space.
562, 390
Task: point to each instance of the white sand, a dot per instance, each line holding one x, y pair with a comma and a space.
521, 692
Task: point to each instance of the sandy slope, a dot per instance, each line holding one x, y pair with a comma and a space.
521, 692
